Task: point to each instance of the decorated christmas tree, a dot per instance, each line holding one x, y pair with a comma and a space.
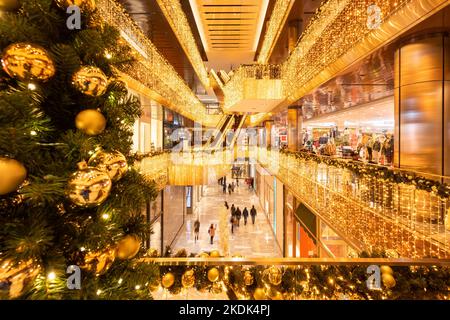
69, 195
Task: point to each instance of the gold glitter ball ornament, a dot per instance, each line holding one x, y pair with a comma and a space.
259, 294
128, 247
168, 280
213, 274
88, 187
101, 261
386, 270
9, 5
214, 254
188, 279
90, 81
12, 175
388, 280
113, 163
275, 275
248, 278
91, 122
27, 61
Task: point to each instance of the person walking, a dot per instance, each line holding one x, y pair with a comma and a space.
232, 223
224, 188
226, 205
238, 215
237, 182
229, 189
212, 232
253, 214
233, 210
245, 214
232, 186
196, 230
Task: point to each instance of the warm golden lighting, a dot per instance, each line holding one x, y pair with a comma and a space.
275, 26
178, 22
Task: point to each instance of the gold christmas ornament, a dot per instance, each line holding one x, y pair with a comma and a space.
12, 175
88, 187
90, 81
168, 280
83, 4
27, 61
213, 274
203, 255
152, 252
9, 5
214, 254
154, 285
188, 279
388, 280
91, 122
17, 277
128, 247
100, 261
386, 270
259, 294
113, 163
248, 278
275, 275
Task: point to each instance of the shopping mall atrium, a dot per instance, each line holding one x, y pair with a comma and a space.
225, 149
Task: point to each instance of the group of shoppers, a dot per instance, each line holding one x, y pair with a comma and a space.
237, 214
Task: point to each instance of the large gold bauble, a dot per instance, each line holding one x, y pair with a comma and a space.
128, 247
213, 274
248, 278
188, 279
113, 163
275, 275
154, 285
168, 280
83, 4
101, 261
12, 174
386, 270
259, 294
27, 61
90, 81
388, 280
9, 5
17, 277
88, 187
91, 122
214, 254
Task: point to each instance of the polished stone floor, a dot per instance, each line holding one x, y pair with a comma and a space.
248, 240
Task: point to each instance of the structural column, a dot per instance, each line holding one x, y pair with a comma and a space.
422, 104
294, 128
268, 130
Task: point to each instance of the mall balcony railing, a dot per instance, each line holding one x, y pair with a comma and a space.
251, 83
239, 278
372, 208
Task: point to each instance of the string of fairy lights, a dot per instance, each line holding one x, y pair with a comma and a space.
373, 212
274, 27
174, 14
337, 26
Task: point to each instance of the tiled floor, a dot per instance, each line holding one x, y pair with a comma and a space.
249, 241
